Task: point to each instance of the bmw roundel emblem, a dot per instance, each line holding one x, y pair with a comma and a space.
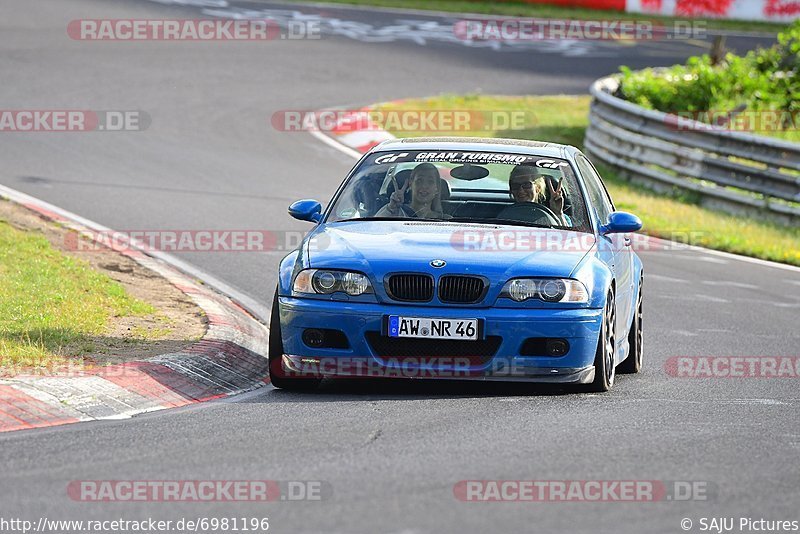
436, 264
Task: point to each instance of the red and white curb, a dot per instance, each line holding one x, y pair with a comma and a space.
360, 139
231, 358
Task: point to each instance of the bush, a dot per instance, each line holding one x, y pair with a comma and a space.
763, 80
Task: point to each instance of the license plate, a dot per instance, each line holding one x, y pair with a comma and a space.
432, 328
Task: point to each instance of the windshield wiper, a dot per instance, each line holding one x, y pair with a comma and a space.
354, 219
401, 219
476, 220
491, 220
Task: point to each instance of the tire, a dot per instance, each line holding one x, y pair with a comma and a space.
604, 371
277, 376
633, 363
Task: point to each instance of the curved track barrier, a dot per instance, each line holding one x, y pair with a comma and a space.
729, 170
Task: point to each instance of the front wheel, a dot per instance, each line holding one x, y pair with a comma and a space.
277, 375
604, 357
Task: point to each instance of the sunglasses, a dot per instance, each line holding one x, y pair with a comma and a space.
523, 185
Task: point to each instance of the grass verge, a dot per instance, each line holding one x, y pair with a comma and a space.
524, 9
49, 301
563, 119
62, 312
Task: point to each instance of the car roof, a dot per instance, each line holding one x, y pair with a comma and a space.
478, 144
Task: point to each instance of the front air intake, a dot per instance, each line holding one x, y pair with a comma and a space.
410, 287
461, 289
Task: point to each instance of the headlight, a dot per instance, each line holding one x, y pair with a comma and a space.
546, 289
324, 282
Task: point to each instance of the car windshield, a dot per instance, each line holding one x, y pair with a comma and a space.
477, 187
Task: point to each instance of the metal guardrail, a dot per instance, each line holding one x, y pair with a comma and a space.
733, 171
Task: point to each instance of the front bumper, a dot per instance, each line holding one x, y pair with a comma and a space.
363, 321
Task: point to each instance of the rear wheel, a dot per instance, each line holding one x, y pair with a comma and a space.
633, 363
277, 375
604, 357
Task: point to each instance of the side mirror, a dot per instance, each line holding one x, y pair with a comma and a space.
621, 222
306, 210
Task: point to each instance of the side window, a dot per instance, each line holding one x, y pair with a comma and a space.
597, 191
602, 185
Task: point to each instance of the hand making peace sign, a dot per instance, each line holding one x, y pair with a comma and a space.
398, 197
556, 196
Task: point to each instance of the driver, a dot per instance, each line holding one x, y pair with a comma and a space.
425, 195
525, 185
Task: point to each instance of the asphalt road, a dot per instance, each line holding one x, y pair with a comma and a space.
389, 453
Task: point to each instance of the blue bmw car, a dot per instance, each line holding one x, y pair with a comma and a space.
462, 258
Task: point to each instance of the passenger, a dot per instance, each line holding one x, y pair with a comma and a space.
526, 184
425, 185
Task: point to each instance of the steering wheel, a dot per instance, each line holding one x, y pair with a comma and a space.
530, 212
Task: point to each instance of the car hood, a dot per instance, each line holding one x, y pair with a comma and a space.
495, 251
